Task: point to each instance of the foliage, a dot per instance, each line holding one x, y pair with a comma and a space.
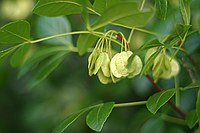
110, 30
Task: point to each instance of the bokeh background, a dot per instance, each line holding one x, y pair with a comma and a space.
38, 109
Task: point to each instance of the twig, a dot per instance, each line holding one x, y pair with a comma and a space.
157, 87
194, 63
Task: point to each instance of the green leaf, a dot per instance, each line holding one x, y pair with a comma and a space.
50, 65
191, 119
97, 116
101, 5
5, 53
40, 54
54, 8
151, 44
48, 26
198, 106
177, 35
185, 11
153, 125
126, 13
85, 41
161, 8
70, 119
15, 32
19, 56
156, 101
192, 85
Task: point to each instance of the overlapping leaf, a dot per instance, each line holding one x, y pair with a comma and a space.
15, 32
191, 119
19, 56
97, 117
126, 14
156, 101
59, 7
54, 56
69, 120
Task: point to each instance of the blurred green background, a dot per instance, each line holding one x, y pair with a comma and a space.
38, 109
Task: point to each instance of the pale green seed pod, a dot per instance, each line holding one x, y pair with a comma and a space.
92, 61
149, 53
166, 68
113, 67
99, 62
121, 63
105, 67
135, 67
102, 78
174, 68
157, 66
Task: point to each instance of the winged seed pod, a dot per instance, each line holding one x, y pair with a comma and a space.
109, 68
119, 65
163, 66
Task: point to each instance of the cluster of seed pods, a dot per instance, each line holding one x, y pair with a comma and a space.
111, 66
163, 65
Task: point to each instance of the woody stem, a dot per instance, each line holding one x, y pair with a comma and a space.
158, 88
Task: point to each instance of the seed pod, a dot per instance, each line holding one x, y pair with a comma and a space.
92, 60
149, 53
135, 67
105, 67
98, 63
174, 68
113, 67
166, 68
122, 61
103, 79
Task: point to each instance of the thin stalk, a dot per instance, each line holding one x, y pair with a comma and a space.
95, 33
59, 35
138, 29
148, 32
130, 35
177, 91
142, 5
182, 42
173, 119
130, 104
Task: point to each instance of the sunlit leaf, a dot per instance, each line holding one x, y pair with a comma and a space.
191, 119
54, 8
156, 101
161, 8
101, 5
126, 13
15, 32
97, 116
19, 56
48, 26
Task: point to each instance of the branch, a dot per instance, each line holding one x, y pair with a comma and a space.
157, 87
